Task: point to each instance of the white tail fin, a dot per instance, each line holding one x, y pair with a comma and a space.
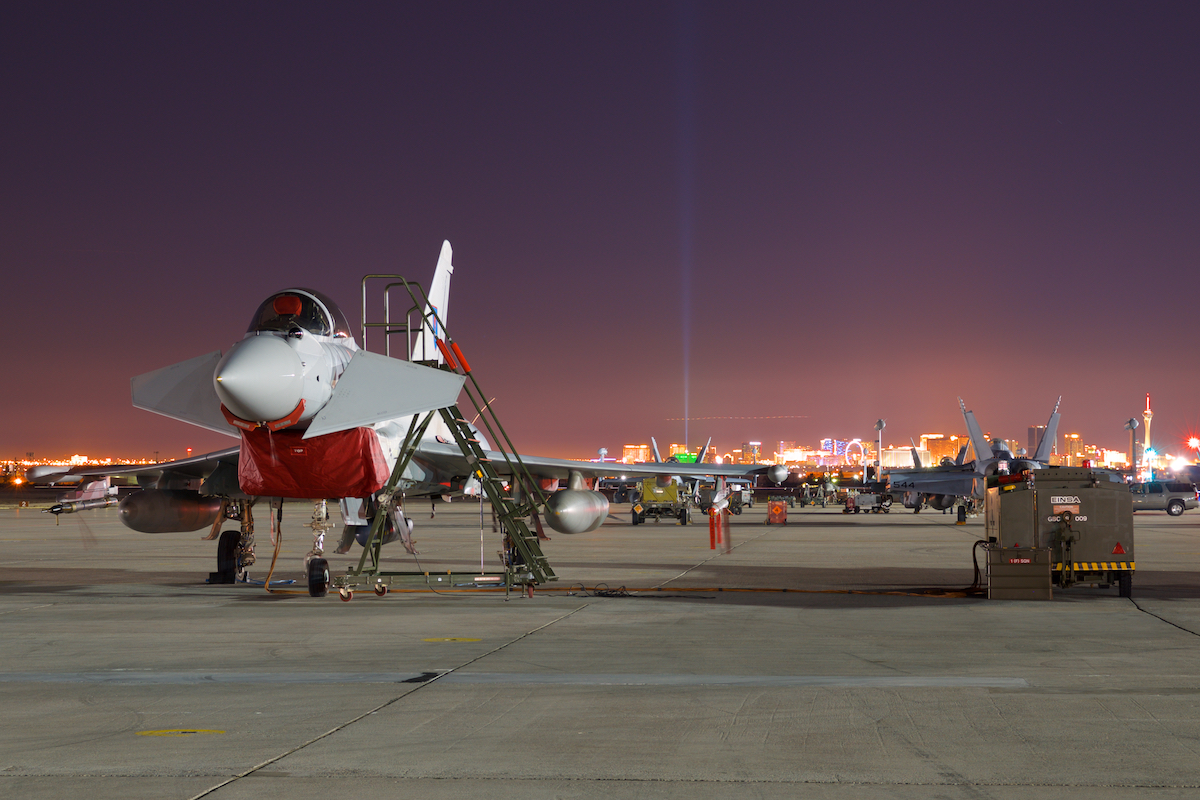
425, 347
983, 449
1046, 445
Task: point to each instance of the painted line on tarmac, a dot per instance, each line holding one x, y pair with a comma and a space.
195, 678
524, 678
847, 681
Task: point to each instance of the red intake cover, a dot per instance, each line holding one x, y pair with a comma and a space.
282, 464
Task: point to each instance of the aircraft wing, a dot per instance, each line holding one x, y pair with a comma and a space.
449, 458
934, 481
185, 392
195, 467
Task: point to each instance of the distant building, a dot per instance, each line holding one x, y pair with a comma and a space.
635, 453
938, 446
751, 452
901, 458
1036, 432
1074, 453
678, 449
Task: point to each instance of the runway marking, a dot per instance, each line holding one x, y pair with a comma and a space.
452, 639
26, 608
524, 678
843, 681
175, 732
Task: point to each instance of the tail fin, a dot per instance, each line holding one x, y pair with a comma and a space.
983, 449
704, 451
1046, 445
657, 457
425, 347
916, 456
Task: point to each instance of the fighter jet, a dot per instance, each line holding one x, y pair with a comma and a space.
942, 485
320, 417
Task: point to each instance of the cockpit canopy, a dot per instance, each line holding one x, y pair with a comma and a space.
303, 308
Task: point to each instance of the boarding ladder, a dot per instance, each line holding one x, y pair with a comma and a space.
526, 564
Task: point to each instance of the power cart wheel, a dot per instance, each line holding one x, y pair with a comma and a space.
1125, 584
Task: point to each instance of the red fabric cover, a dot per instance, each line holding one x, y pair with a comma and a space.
282, 464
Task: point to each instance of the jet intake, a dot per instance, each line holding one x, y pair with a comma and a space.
576, 510
168, 511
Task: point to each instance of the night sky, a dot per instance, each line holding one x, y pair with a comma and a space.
813, 214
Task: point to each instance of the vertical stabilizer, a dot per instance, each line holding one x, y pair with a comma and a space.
704, 451
1046, 445
983, 449
425, 347
915, 455
654, 445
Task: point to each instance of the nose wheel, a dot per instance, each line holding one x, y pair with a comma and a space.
318, 577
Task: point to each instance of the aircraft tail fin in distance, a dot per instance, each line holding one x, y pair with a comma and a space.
983, 449
915, 455
375, 388
425, 347
185, 392
961, 457
1046, 445
654, 445
704, 451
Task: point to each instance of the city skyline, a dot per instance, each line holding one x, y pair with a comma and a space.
672, 220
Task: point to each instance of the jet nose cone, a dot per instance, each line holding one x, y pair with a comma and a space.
261, 379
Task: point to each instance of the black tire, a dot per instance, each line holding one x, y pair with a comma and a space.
684, 517
318, 577
227, 559
737, 511
1175, 508
1125, 583
636, 518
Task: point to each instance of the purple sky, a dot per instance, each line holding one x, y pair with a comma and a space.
840, 211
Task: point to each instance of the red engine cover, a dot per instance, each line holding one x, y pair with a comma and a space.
282, 464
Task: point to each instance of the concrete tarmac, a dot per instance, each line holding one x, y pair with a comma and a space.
124, 675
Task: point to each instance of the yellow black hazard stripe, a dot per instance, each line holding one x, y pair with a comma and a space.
1097, 566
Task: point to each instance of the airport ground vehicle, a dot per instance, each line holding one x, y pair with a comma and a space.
872, 501
1057, 526
1170, 496
660, 501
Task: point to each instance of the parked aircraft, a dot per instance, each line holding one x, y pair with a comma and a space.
940, 486
319, 417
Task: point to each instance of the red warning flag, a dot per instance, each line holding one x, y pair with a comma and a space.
1118, 550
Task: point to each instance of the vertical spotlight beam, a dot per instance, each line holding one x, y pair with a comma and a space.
686, 121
